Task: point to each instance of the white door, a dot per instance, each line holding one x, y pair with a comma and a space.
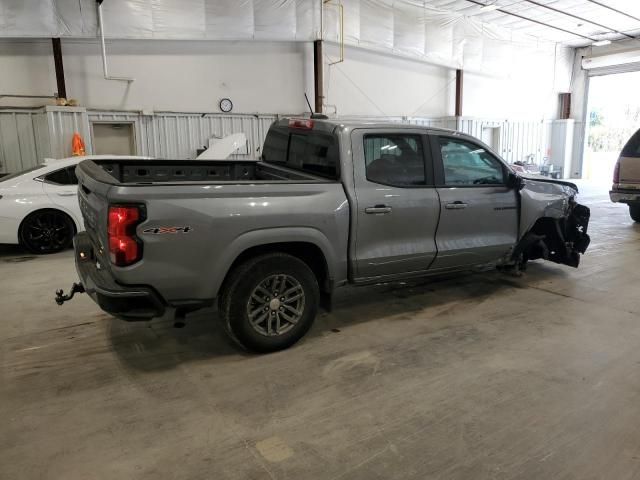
113, 139
61, 186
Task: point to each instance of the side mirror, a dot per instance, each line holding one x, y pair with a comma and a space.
514, 181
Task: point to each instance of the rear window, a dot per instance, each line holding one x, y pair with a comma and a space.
632, 148
64, 176
306, 151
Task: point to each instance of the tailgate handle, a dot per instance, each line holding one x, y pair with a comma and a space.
457, 205
378, 209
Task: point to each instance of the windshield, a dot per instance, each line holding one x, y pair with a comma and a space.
17, 174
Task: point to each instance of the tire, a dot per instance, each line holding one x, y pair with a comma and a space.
634, 211
250, 288
46, 231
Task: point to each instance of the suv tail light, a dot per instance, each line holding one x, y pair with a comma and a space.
124, 247
616, 172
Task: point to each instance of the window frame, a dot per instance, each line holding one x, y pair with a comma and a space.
425, 142
439, 164
43, 178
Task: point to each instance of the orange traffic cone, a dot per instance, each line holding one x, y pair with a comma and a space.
77, 145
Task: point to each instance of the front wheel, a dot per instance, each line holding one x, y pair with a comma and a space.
270, 302
634, 211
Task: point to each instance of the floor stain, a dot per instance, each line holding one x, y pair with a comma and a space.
274, 449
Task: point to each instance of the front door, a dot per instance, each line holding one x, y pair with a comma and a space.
397, 206
478, 212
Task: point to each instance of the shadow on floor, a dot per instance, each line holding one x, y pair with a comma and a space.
158, 345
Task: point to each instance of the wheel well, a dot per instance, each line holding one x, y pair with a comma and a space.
307, 252
57, 210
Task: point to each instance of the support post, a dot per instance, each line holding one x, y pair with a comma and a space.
459, 89
59, 66
318, 81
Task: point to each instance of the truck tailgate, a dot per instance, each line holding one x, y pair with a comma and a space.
94, 204
629, 172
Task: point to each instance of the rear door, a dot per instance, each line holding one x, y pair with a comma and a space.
629, 164
478, 212
61, 186
397, 204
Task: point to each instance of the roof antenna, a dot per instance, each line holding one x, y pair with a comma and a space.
318, 116
308, 103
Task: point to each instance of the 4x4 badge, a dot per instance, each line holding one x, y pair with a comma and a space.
159, 230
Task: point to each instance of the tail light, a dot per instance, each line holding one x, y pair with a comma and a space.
616, 173
124, 247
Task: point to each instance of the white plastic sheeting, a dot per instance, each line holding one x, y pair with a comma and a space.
403, 27
163, 19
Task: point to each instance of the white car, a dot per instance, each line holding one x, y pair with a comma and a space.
39, 207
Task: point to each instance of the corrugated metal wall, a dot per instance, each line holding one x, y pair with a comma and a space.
518, 140
179, 135
28, 136
63, 122
18, 145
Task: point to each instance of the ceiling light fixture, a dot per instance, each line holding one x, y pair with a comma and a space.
489, 8
601, 43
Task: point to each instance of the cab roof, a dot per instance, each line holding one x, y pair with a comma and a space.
330, 124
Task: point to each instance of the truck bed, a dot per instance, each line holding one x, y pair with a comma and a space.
145, 172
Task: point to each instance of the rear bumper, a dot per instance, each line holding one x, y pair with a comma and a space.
127, 302
624, 196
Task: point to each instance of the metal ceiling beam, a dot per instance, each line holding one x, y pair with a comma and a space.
522, 17
557, 10
614, 10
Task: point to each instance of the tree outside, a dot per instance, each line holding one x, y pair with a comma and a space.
614, 116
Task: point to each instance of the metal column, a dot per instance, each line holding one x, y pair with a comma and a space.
57, 60
459, 79
318, 75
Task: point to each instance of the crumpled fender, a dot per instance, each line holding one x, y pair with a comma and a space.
553, 226
544, 198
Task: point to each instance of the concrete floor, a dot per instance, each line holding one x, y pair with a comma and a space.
482, 376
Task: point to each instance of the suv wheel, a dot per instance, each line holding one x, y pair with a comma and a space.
634, 211
270, 302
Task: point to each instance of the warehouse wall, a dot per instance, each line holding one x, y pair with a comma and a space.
271, 77
170, 75
374, 83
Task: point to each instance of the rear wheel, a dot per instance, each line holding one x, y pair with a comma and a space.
46, 231
634, 211
270, 302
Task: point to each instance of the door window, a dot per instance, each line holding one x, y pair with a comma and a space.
394, 159
466, 163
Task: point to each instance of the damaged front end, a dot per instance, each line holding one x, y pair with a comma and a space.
553, 226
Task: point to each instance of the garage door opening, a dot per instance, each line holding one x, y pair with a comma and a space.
113, 139
613, 115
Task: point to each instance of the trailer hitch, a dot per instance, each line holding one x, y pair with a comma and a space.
75, 288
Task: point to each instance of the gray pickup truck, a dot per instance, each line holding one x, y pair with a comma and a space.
329, 202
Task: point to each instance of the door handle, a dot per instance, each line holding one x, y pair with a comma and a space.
377, 209
67, 194
457, 205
